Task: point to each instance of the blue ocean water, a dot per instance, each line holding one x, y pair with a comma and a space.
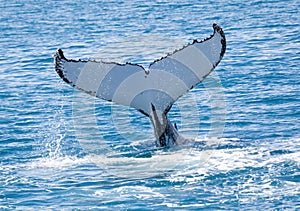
245, 117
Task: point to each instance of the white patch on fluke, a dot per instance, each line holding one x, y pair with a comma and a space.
92, 75
173, 75
195, 60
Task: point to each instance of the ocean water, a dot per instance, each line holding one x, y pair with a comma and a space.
61, 149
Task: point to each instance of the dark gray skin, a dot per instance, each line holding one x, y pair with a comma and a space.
165, 132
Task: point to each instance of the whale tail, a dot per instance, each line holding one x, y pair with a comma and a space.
152, 92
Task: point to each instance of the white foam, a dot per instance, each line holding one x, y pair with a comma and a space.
58, 162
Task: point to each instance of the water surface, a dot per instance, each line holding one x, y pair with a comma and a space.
252, 161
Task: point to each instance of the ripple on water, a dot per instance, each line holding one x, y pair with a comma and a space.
43, 163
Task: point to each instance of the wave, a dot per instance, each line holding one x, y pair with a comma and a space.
179, 163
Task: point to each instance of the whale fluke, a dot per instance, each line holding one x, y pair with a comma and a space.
152, 91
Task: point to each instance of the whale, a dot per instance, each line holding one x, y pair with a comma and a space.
152, 90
